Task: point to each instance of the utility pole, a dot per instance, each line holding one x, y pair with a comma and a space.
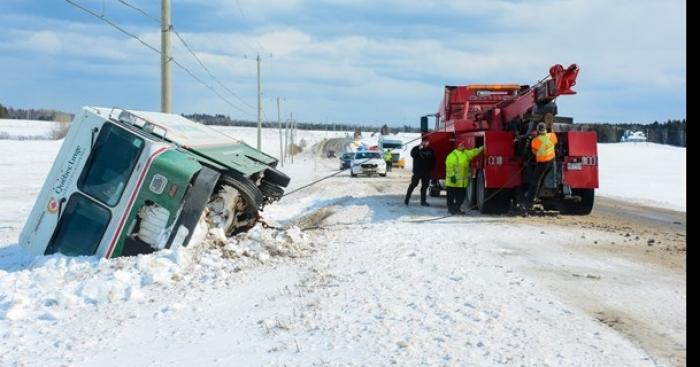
259, 104
279, 124
165, 58
291, 136
286, 139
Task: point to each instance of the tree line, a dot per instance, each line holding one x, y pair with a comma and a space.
225, 120
32, 114
671, 132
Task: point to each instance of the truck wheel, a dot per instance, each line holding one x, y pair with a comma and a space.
434, 189
471, 194
491, 201
271, 191
252, 198
352, 174
583, 207
277, 177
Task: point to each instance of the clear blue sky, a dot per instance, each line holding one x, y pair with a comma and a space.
360, 61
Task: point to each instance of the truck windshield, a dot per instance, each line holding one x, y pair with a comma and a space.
80, 229
110, 164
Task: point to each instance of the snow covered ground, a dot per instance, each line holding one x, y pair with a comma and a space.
26, 129
646, 173
369, 287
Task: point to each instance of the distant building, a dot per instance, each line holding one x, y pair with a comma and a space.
630, 136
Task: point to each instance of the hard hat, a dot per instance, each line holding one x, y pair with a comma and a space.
541, 127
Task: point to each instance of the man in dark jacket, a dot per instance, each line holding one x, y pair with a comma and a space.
423, 162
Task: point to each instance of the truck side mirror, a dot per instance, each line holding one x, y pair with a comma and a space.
424, 124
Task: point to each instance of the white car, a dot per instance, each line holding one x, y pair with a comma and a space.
367, 163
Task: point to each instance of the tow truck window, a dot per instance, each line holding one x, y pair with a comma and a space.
109, 166
80, 228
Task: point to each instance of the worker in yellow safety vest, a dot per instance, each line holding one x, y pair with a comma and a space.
543, 146
457, 176
388, 159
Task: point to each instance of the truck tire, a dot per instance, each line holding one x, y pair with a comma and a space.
434, 189
252, 197
491, 201
583, 207
471, 194
246, 187
271, 191
277, 177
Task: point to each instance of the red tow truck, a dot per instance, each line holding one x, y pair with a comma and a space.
503, 118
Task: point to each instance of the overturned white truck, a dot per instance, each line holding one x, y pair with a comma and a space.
131, 182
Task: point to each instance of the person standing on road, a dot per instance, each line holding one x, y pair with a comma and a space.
423, 162
457, 175
388, 158
543, 146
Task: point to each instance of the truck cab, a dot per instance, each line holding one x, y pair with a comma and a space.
129, 182
392, 145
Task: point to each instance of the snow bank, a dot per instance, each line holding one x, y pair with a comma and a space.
645, 173
48, 286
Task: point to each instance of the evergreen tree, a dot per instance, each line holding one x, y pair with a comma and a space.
3, 112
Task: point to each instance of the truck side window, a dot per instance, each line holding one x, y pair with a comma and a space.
110, 164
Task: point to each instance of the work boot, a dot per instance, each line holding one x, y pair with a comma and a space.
424, 204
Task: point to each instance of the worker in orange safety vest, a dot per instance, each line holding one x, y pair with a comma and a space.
543, 150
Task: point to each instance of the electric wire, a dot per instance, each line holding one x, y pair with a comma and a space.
173, 60
190, 50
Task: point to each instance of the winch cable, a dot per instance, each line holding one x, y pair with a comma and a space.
345, 169
493, 194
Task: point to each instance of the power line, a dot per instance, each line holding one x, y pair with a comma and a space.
240, 10
191, 51
207, 70
103, 18
140, 11
238, 4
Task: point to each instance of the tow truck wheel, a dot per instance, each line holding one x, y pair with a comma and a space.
471, 194
491, 201
583, 207
434, 189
